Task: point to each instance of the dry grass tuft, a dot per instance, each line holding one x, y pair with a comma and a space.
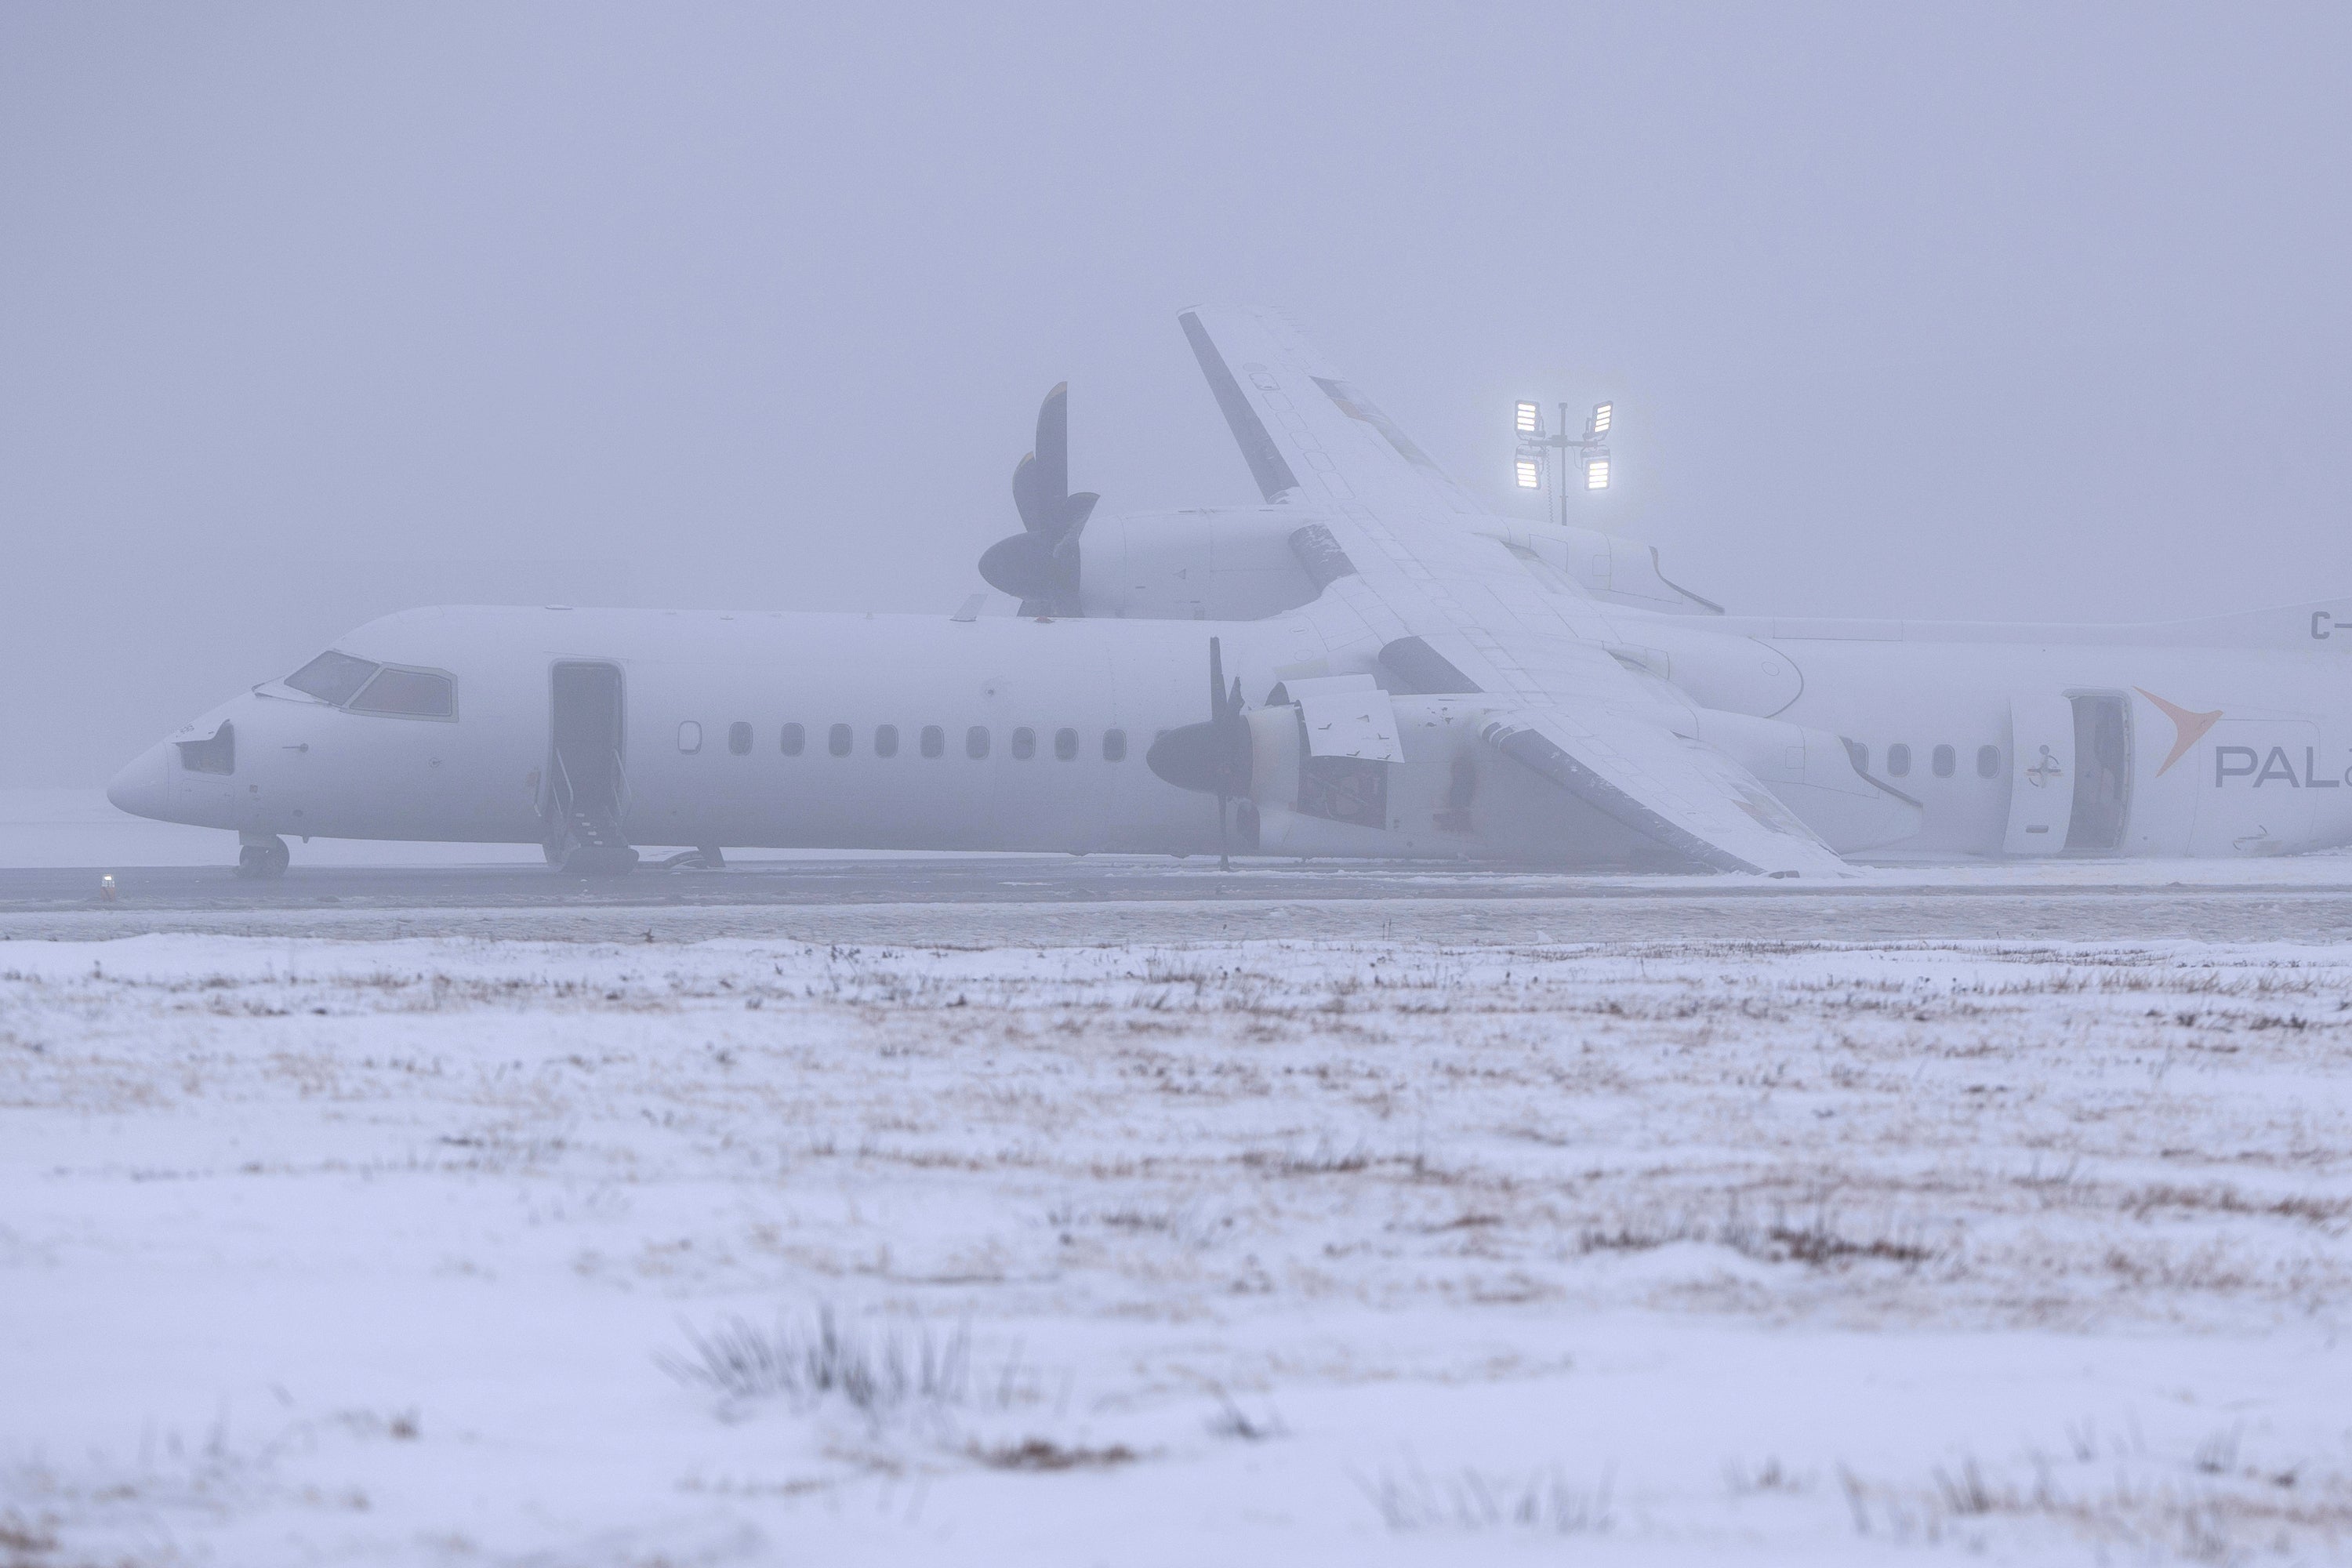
1543, 1502
1042, 1454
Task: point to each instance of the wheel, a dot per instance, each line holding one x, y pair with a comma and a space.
264, 862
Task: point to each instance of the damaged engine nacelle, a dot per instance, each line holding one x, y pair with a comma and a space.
1239, 563
1339, 767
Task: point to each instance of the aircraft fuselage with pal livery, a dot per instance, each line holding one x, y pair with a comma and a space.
1370, 664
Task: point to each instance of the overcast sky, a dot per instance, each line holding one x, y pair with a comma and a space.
309, 313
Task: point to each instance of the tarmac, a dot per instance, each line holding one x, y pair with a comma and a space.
1043, 900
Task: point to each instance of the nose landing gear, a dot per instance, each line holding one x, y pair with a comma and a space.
262, 856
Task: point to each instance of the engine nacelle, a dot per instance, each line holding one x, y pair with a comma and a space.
1439, 792
1220, 563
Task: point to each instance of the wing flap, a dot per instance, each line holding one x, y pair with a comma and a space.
1684, 796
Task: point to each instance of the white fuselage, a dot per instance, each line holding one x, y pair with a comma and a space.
706, 700
302, 766
2290, 710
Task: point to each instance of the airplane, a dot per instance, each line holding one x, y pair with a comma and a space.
1372, 663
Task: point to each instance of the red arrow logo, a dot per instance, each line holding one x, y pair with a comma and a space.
2187, 728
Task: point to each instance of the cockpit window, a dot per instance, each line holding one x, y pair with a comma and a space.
332, 676
409, 694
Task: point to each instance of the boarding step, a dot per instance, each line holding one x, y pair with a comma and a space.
593, 846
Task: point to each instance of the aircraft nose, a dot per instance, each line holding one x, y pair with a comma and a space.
140, 788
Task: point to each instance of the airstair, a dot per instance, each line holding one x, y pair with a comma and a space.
587, 799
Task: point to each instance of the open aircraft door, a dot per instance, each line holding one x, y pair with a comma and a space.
2040, 772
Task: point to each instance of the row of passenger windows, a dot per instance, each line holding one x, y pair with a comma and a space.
1942, 762
932, 741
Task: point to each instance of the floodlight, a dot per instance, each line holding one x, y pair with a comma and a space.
1599, 424
1596, 471
1530, 419
1530, 471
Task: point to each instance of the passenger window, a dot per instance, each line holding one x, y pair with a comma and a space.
408, 694
214, 754
935, 741
885, 741
1114, 746
739, 738
1899, 760
332, 676
836, 739
1861, 754
1987, 762
975, 742
1066, 745
1944, 761
795, 739
689, 736
1025, 744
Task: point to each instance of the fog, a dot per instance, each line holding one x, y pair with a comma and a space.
308, 314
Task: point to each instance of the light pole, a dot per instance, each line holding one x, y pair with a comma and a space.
1533, 441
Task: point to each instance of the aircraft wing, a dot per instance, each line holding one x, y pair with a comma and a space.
1312, 429
1445, 609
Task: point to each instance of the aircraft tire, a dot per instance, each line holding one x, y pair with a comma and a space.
263, 862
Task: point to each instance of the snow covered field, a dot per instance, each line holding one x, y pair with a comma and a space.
455, 1252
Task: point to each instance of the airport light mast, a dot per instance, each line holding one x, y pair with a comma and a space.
1529, 469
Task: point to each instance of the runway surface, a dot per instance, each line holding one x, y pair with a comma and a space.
1001, 901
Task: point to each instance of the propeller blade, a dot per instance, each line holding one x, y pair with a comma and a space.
1022, 566
1216, 680
1034, 516
1040, 565
1054, 450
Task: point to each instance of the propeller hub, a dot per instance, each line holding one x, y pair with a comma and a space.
1213, 758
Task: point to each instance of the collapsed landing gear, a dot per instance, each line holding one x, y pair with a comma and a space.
262, 856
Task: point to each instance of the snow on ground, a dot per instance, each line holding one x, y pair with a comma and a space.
459, 1252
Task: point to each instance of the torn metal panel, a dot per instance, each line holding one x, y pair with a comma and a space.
1347, 716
